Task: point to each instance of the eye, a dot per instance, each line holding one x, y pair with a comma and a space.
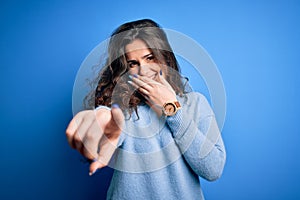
133, 64
150, 58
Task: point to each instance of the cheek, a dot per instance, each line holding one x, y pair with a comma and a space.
154, 67
164, 69
133, 71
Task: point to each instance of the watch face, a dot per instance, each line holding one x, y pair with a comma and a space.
169, 108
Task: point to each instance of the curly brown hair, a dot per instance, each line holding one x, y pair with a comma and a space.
112, 85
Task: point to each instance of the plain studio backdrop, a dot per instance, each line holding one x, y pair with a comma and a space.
255, 45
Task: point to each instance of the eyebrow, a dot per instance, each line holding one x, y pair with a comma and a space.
145, 56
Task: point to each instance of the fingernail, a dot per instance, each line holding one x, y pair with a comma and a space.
130, 76
92, 173
115, 105
130, 82
135, 75
160, 72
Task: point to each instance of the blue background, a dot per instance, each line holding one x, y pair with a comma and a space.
255, 45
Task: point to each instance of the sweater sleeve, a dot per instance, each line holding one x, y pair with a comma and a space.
196, 133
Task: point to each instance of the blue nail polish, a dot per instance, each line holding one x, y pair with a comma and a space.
130, 76
160, 72
135, 75
115, 105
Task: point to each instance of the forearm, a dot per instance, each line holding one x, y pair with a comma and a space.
200, 143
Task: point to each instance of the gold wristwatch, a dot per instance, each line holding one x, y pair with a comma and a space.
170, 108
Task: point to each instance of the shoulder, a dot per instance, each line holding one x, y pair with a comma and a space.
192, 96
195, 102
193, 99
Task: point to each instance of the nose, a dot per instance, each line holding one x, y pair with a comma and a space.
144, 70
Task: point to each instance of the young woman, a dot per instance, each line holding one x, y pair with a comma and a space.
157, 136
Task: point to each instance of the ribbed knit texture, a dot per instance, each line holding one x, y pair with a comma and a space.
163, 158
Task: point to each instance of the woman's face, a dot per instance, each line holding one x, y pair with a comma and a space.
141, 60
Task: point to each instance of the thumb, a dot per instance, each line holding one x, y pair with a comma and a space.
163, 81
94, 166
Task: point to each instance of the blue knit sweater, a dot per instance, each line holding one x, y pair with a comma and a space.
162, 158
